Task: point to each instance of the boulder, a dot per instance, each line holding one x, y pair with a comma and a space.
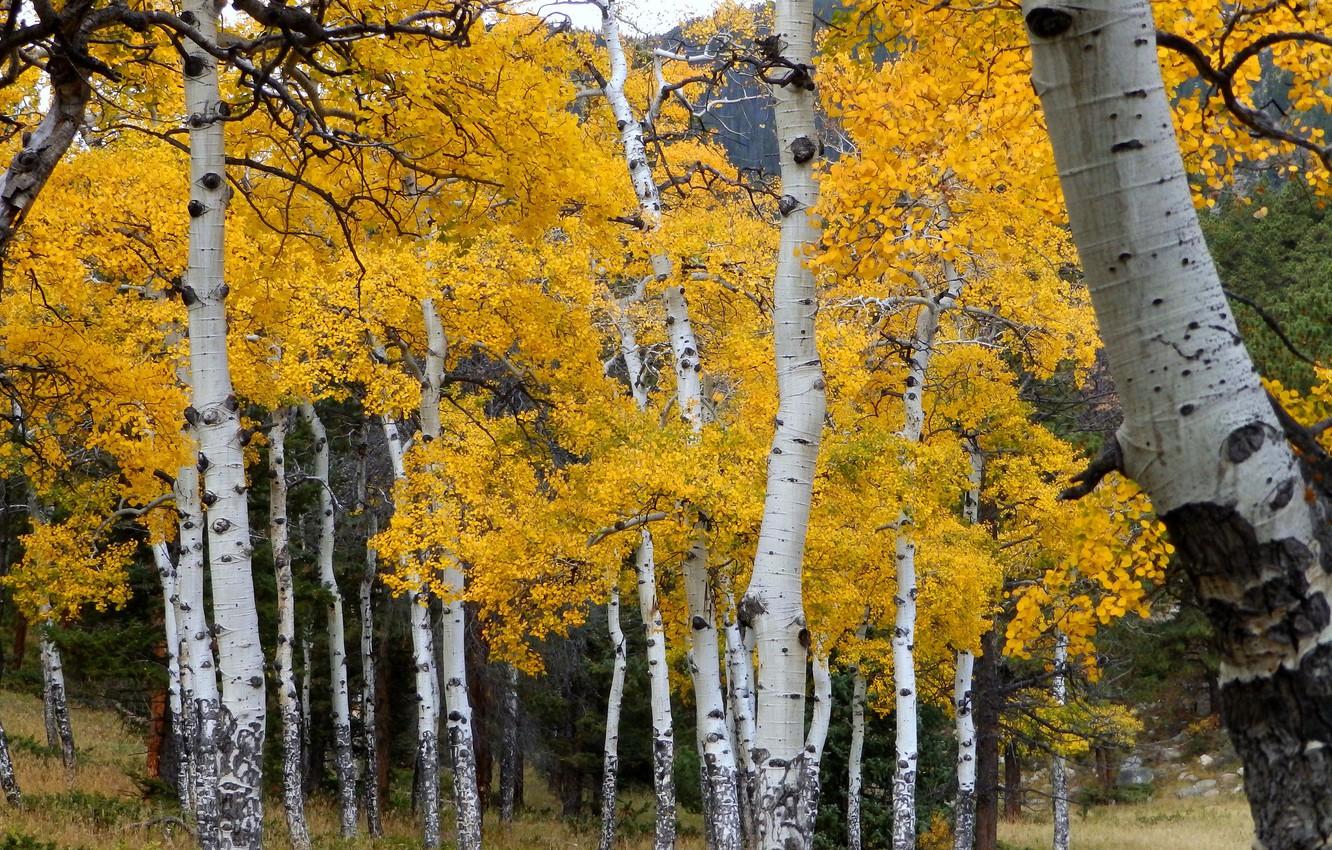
1132, 773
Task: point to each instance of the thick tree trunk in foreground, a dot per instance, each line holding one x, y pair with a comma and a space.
344, 767
773, 605
1199, 435
55, 704
610, 770
369, 717
293, 791
1058, 771
198, 679
8, 782
215, 415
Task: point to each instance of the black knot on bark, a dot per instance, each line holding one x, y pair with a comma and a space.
803, 149
221, 525
194, 66
197, 208
211, 180
787, 205
1045, 22
699, 623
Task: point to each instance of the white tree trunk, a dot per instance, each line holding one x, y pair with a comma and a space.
343, 764
740, 684
427, 682
820, 716
307, 711
964, 809
1199, 435
773, 605
293, 792
8, 782
856, 754
166, 573
466, 795
610, 771
221, 456
631, 129
59, 729
663, 738
198, 669
1058, 770
369, 697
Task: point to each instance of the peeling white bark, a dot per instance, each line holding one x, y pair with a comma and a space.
369, 697
293, 791
855, 756
221, 456
344, 767
55, 705
1058, 770
610, 770
166, 573
773, 605
198, 669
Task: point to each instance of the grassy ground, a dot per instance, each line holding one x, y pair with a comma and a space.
1164, 823
103, 806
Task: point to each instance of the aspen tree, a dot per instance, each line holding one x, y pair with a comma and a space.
1200, 434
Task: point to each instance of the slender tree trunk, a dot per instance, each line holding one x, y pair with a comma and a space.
964, 721
1012, 782
369, 721
663, 738
180, 726
307, 712
1199, 434
773, 606
466, 796
509, 763
198, 671
611, 767
986, 707
427, 681
344, 765
8, 782
293, 791
820, 716
740, 686
59, 729
1058, 771
215, 415
856, 753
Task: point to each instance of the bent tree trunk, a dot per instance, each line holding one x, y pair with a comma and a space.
1199, 435
293, 791
610, 770
773, 605
343, 766
215, 415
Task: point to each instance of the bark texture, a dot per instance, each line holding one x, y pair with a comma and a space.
180, 727
8, 782
55, 704
293, 791
773, 605
1199, 435
964, 721
344, 766
1058, 770
369, 696
610, 770
855, 756
509, 761
215, 416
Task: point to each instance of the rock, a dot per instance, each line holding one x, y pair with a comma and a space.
1205, 760
1212, 792
1201, 788
1132, 773
1185, 776
1169, 755
1230, 778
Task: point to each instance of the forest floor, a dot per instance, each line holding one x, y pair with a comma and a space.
104, 807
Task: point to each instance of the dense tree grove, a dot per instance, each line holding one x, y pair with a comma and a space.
433, 394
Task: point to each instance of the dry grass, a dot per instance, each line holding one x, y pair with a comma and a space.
1165, 823
104, 807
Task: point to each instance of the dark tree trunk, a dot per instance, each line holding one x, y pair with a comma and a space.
986, 702
20, 639
483, 704
1012, 782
